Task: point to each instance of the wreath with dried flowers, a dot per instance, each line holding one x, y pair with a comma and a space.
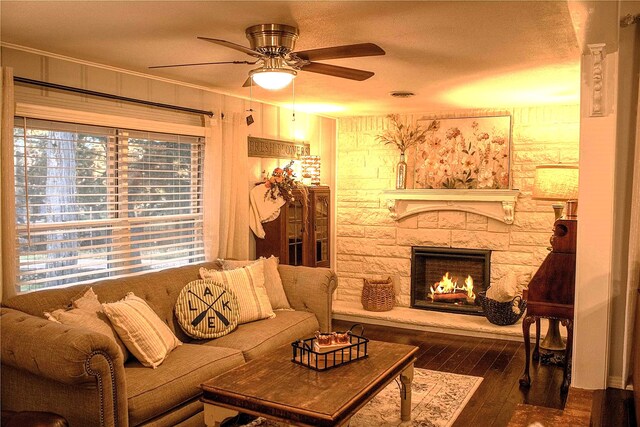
282, 183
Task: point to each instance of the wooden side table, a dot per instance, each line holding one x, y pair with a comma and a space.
551, 295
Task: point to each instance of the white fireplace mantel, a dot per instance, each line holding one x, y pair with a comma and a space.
496, 204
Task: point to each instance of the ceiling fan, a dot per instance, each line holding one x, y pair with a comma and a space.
272, 45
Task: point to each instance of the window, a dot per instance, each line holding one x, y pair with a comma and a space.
95, 202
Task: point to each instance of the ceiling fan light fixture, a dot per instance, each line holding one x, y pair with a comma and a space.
273, 79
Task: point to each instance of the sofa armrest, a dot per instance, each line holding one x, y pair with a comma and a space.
49, 349
73, 357
310, 289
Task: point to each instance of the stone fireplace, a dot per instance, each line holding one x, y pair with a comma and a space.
447, 279
377, 227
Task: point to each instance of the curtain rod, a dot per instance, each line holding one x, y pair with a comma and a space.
109, 96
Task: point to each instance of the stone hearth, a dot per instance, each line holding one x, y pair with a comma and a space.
433, 321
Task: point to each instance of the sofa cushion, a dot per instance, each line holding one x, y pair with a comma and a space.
87, 312
272, 280
206, 309
257, 338
146, 336
248, 285
152, 392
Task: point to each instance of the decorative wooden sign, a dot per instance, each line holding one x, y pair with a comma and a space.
278, 149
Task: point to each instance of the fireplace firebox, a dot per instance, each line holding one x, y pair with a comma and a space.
448, 279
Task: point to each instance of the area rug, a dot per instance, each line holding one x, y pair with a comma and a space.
437, 400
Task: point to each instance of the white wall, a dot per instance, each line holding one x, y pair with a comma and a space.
603, 225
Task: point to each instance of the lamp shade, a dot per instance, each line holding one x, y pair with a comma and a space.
272, 79
556, 182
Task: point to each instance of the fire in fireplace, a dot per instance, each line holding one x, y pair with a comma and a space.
448, 279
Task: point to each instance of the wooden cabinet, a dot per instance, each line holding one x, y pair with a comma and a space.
296, 241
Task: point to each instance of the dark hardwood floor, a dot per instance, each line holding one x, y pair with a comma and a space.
614, 408
500, 363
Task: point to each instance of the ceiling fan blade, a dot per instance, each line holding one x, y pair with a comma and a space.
334, 70
204, 63
233, 46
337, 52
247, 82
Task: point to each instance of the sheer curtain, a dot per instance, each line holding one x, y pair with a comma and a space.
633, 276
234, 188
7, 197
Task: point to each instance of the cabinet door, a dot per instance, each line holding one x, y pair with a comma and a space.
295, 232
296, 241
321, 232
275, 239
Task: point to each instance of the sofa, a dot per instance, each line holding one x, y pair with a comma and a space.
80, 375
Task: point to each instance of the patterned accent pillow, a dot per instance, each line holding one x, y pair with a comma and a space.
272, 280
146, 336
248, 285
86, 312
206, 309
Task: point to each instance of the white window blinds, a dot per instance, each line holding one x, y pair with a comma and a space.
95, 202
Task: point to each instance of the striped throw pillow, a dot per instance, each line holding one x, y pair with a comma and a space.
146, 336
247, 283
272, 280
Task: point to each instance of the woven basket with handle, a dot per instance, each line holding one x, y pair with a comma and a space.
378, 295
502, 313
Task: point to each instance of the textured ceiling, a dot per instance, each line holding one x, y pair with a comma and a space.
468, 54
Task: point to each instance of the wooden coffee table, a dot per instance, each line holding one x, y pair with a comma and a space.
274, 387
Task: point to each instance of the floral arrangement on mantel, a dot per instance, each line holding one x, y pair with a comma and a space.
403, 136
282, 182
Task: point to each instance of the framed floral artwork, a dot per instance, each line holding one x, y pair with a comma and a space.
465, 153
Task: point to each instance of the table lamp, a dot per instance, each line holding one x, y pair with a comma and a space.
557, 183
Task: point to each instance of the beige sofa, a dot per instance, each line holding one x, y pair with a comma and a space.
79, 374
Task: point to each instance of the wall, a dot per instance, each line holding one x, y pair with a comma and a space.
603, 319
624, 296
270, 121
371, 244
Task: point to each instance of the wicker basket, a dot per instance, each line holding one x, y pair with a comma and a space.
378, 295
500, 313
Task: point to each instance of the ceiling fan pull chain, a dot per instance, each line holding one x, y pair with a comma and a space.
293, 91
249, 118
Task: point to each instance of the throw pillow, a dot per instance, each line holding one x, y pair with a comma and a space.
504, 289
86, 312
272, 280
206, 309
248, 285
146, 336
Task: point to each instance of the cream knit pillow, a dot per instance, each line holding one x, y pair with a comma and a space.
146, 336
247, 283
